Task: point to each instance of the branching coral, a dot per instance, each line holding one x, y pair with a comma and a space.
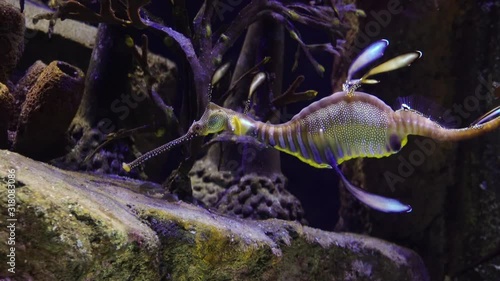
211, 47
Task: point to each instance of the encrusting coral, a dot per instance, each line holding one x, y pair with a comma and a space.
11, 38
48, 110
251, 196
261, 197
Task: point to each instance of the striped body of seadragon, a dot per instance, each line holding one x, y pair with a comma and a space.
339, 127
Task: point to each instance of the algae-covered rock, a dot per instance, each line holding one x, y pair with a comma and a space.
77, 226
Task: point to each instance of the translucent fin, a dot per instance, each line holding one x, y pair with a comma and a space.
374, 201
490, 115
393, 64
367, 56
427, 108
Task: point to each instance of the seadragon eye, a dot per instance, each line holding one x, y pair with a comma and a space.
196, 128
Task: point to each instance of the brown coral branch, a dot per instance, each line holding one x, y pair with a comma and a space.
295, 35
290, 96
142, 59
106, 11
184, 43
75, 10
250, 71
203, 64
120, 134
325, 47
145, 50
202, 25
249, 14
133, 12
316, 16
324, 17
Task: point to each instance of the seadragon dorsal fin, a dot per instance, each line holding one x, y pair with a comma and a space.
425, 107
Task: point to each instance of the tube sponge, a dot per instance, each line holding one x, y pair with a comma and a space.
23, 86
11, 38
6, 106
46, 113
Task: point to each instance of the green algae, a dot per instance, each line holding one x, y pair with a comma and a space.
60, 237
77, 226
197, 251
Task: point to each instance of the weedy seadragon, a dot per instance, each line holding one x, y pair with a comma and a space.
339, 127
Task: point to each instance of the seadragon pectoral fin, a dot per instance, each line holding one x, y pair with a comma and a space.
374, 201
